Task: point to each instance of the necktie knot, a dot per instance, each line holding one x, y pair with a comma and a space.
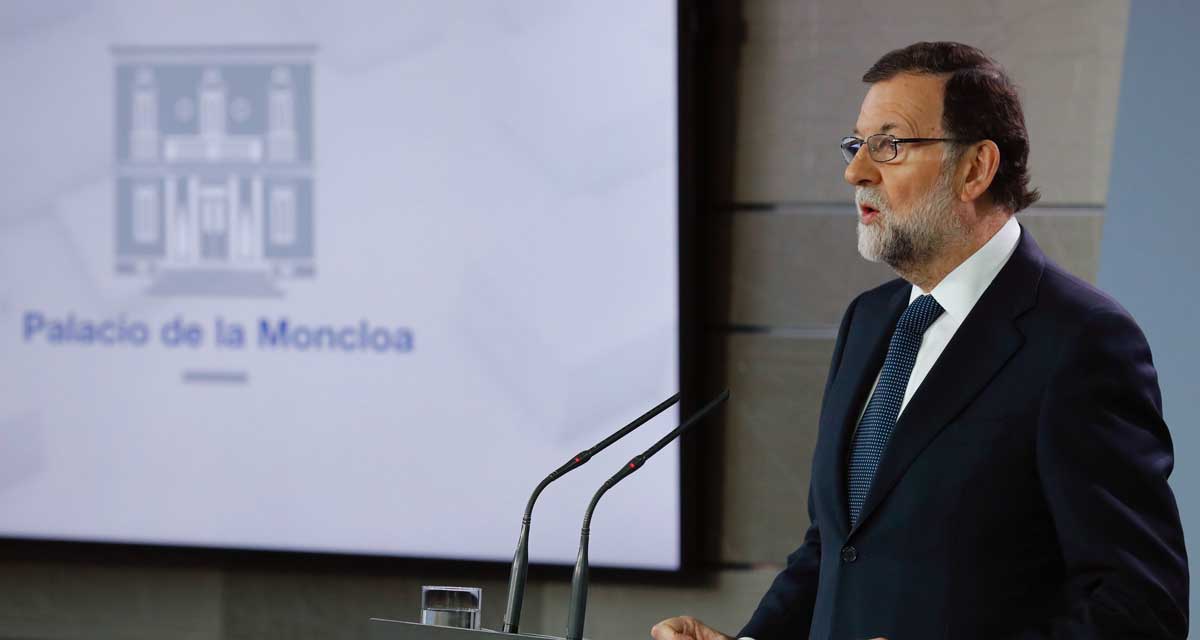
919, 315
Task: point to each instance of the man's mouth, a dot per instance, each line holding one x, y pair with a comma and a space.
867, 213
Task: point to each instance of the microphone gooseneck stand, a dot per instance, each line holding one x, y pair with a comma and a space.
579, 582
520, 566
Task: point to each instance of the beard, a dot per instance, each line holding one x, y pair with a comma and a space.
910, 241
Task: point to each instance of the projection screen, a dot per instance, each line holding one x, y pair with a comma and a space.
338, 277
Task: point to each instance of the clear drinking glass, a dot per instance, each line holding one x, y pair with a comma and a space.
451, 606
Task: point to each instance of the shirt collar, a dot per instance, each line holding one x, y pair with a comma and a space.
958, 292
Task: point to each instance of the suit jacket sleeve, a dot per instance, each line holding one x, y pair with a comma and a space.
786, 609
1103, 455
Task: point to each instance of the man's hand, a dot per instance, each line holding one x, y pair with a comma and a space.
685, 628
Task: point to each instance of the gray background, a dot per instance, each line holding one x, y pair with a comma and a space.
1149, 259
788, 269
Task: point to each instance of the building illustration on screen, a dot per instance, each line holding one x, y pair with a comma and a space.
214, 179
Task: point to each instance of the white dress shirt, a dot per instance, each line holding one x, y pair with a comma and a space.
957, 293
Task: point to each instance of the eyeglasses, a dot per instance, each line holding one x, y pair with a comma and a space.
883, 147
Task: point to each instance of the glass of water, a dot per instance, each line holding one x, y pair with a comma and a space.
451, 606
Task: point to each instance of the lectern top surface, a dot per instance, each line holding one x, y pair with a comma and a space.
384, 629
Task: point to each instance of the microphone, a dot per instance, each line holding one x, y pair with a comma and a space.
520, 566
579, 582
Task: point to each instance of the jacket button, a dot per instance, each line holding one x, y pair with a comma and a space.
849, 554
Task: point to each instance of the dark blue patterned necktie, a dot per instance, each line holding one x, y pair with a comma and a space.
878, 421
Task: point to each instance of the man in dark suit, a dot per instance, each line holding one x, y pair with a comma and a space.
992, 460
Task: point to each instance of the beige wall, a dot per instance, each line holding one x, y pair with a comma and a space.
792, 269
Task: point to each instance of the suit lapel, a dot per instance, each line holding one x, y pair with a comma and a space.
872, 327
985, 341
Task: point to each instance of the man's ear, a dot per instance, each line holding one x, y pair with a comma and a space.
979, 164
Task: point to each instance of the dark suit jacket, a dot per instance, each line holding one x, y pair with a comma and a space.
1023, 494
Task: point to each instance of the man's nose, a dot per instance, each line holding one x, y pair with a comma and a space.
862, 170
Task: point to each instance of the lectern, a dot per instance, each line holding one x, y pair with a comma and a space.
383, 629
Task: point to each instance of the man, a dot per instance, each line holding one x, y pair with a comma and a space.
991, 460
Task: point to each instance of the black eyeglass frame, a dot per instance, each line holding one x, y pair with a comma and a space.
895, 145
